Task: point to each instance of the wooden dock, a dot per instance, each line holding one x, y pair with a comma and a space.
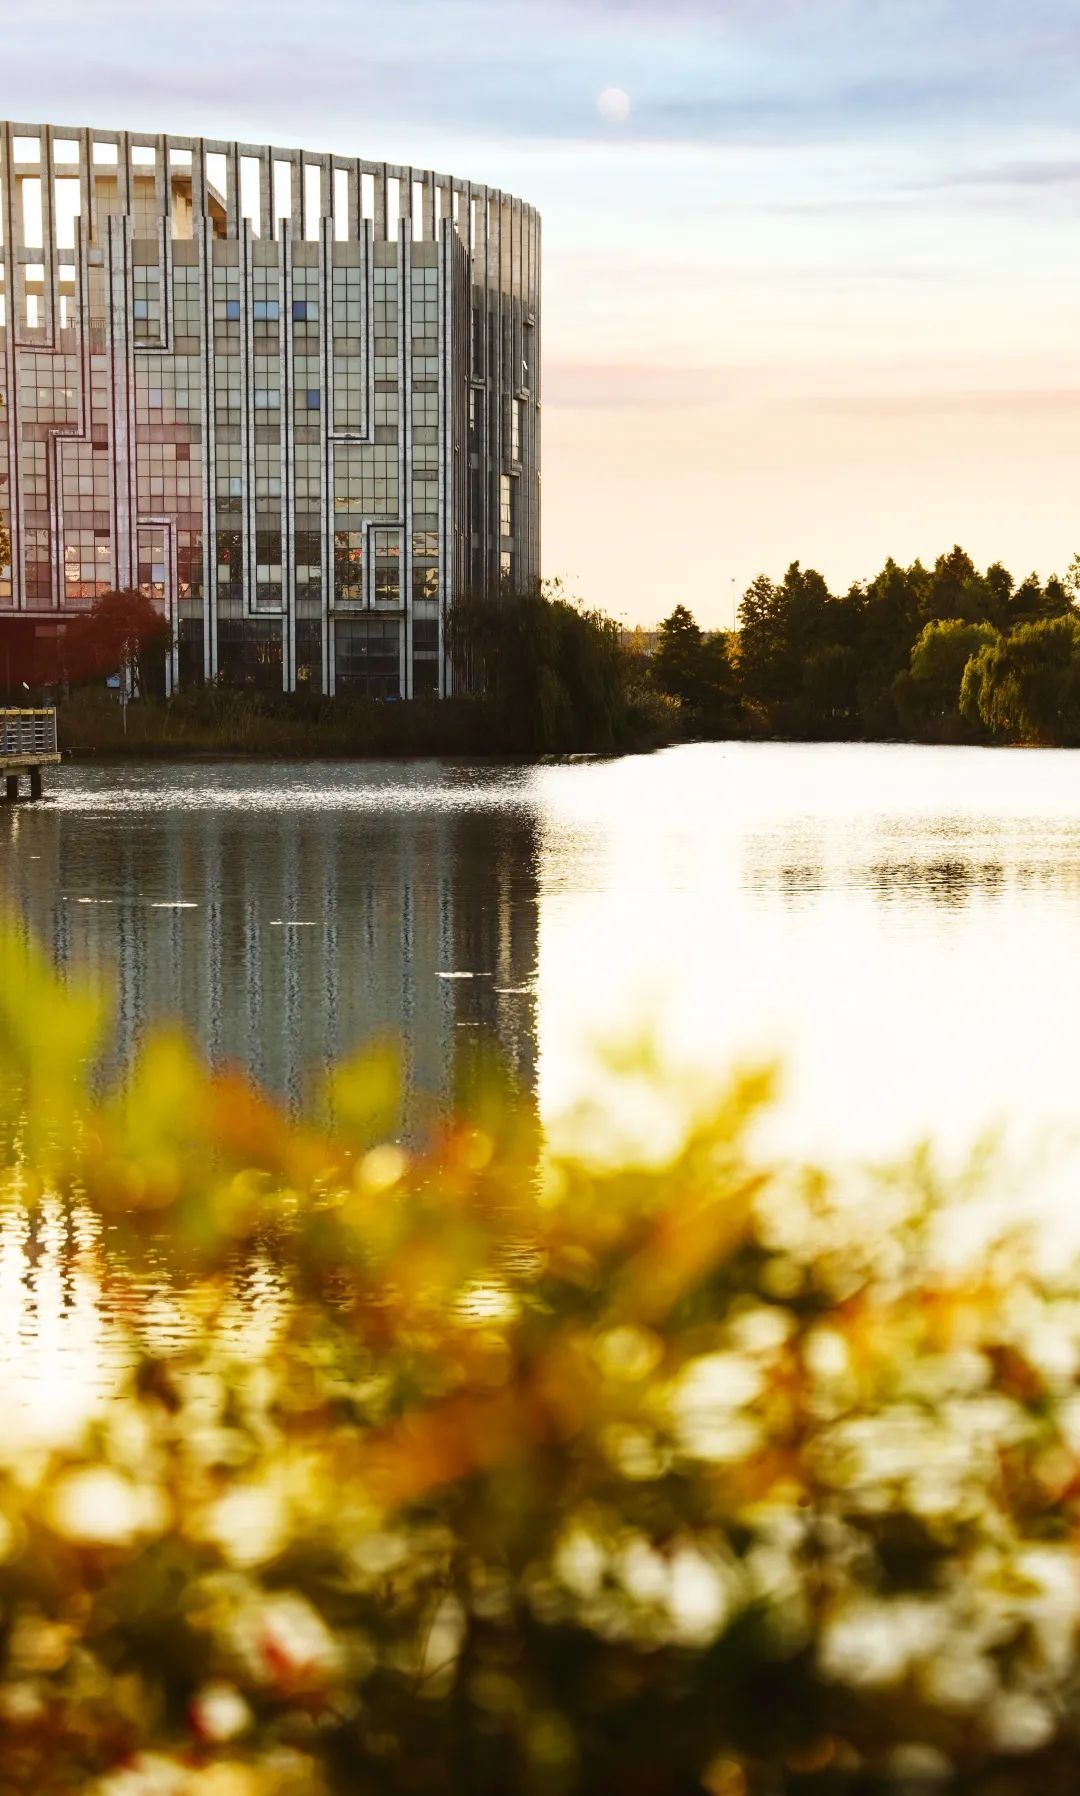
27, 745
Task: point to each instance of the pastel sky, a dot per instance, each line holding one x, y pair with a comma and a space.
815, 295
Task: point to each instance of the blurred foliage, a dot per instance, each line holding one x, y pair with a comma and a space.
537, 1475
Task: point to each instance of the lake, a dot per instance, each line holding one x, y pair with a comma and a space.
900, 924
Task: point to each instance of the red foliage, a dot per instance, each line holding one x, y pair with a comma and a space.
120, 627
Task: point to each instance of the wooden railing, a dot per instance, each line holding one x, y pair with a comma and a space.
27, 734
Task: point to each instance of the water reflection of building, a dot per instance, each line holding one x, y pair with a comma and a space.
283, 939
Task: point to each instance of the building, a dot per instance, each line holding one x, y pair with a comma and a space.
293, 397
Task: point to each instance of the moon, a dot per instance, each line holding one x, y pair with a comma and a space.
613, 104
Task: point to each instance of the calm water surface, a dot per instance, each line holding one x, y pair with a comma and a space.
900, 924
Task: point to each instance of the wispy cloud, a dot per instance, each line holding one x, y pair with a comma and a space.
726, 72
1026, 403
1054, 174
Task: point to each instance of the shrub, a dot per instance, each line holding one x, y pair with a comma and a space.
537, 1475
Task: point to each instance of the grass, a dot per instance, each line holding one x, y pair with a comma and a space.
217, 722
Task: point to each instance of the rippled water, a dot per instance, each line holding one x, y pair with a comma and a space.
902, 924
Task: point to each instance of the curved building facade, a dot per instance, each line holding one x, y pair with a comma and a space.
293, 397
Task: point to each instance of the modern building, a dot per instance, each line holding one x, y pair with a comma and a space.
293, 397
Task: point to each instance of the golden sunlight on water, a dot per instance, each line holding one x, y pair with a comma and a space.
68, 1329
58, 1346
897, 926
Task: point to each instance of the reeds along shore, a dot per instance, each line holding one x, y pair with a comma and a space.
219, 721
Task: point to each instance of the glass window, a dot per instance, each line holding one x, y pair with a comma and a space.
349, 565
367, 657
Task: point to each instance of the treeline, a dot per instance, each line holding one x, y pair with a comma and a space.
942, 654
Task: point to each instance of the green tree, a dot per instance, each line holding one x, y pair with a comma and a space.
829, 687
957, 590
552, 672
1026, 686
1057, 598
942, 651
1032, 600
780, 627
695, 668
760, 635
677, 660
891, 621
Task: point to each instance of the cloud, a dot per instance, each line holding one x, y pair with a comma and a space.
638, 386
705, 72
1053, 173
1002, 402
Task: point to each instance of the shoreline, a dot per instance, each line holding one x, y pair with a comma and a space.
225, 725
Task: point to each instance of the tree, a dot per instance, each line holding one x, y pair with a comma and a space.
1032, 600
891, 622
553, 673
123, 633
761, 644
779, 629
1026, 686
677, 658
938, 660
1057, 598
956, 589
829, 687
887, 656
696, 669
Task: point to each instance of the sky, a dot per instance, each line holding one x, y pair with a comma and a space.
811, 267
